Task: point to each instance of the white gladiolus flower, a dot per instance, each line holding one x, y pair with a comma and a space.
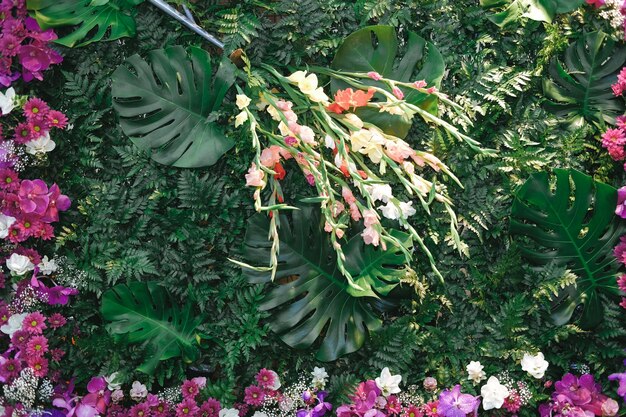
390, 211
7, 101
243, 101
535, 365
388, 384
493, 393
19, 264
241, 118
380, 192
13, 324
297, 77
5, 223
475, 372
43, 144
407, 209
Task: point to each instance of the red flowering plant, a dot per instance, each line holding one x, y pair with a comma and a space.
354, 167
24, 47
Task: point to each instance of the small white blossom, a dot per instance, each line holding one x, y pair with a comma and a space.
329, 142
5, 223
475, 372
241, 118
535, 365
493, 393
138, 391
13, 324
48, 266
19, 264
229, 412
42, 145
407, 209
390, 211
7, 101
319, 377
380, 192
387, 383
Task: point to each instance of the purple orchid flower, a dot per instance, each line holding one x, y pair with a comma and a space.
33, 196
454, 404
621, 203
621, 377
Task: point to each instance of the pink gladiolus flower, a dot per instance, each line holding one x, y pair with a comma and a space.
420, 84
371, 236
398, 93
270, 156
254, 177
370, 218
374, 76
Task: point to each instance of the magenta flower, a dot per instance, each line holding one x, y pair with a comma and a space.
56, 320
140, 410
33, 196
187, 408
58, 295
621, 203
454, 404
210, 408
621, 378
266, 378
34, 323
620, 250
99, 396
254, 395
190, 389
37, 346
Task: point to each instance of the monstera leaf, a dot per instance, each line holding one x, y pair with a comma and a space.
540, 10
375, 48
96, 19
166, 103
582, 89
310, 298
573, 226
145, 313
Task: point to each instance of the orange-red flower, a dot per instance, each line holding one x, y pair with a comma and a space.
348, 98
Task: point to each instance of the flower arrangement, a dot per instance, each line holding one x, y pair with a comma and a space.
578, 396
352, 164
24, 47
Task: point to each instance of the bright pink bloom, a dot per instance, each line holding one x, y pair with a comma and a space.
620, 250
420, 84
398, 93
35, 107
266, 378
270, 156
254, 395
56, 320
412, 411
39, 366
371, 236
620, 210
56, 202
34, 323
187, 408
254, 177
57, 119
190, 389
37, 346
99, 396
595, 3
374, 76
210, 408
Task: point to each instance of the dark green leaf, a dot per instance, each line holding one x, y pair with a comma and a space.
375, 48
144, 312
539, 10
166, 101
582, 89
109, 20
573, 226
311, 299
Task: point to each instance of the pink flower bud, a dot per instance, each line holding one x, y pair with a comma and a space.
398, 93
374, 76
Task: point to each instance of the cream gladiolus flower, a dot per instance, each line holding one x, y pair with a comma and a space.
242, 101
241, 118
297, 77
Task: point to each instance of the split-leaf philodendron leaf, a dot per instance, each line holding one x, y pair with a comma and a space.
310, 298
539, 10
144, 312
376, 48
109, 19
574, 226
166, 103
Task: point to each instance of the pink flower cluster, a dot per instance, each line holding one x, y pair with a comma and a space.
29, 347
29, 206
620, 254
24, 49
267, 385
39, 120
579, 397
101, 400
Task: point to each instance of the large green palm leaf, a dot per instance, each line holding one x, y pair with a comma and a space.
96, 19
166, 103
582, 89
539, 10
573, 226
311, 299
144, 312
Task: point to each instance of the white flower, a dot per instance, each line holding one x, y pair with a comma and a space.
112, 384
7, 101
243, 101
493, 393
43, 144
241, 118
117, 396
534, 365
297, 77
380, 192
390, 211
407, 209
138, 391
329, 142
48, 266
259, 414
19, 264
13, 324
228, 412
388, 383
319, 96
354, 120
319, 377
475, 371
5, 223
